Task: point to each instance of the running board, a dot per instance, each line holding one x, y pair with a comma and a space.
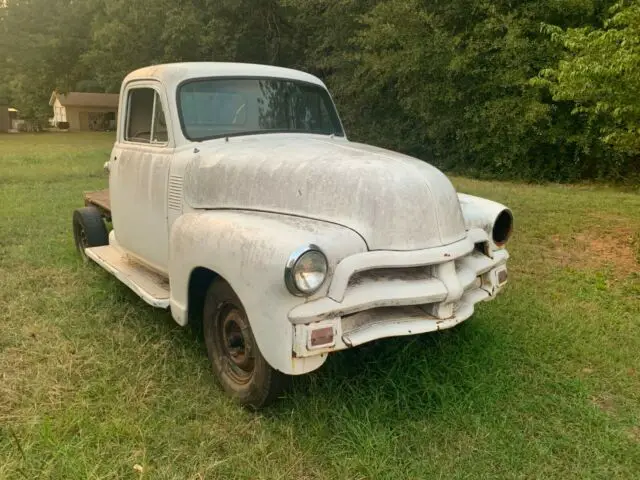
152, 287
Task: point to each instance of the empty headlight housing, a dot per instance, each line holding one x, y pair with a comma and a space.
306, 270
502, 227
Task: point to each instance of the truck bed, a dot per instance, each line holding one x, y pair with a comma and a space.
100, 200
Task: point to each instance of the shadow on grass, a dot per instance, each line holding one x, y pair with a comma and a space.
412, 377
492, 383
406, 378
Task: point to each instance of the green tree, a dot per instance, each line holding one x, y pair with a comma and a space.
600, 74
41, 41
129, 34
459, 72
454, 82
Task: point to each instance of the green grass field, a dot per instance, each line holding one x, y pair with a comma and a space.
544, 382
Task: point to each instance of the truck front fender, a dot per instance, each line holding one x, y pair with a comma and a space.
493, 217
249, 250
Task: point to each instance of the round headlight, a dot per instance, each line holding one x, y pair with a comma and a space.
306, 271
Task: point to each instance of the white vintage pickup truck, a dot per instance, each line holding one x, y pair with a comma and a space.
238, 203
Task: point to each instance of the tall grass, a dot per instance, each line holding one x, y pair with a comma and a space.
544, 382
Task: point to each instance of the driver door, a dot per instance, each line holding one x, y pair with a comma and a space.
139, 169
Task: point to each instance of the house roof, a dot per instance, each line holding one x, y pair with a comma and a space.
83, 99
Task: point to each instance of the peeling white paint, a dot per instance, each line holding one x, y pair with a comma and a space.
393, 201
240, 206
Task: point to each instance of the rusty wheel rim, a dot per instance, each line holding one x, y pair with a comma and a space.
82, 241
236, 343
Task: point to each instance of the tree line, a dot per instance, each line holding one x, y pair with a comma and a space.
537, 89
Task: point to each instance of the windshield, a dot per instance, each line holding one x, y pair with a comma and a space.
225, 106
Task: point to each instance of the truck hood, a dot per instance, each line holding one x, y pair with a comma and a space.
395, 202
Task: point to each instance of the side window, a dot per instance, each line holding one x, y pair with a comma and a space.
145, 121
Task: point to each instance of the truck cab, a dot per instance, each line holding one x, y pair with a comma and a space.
238, 203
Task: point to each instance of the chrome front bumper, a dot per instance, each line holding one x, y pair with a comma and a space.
382, 294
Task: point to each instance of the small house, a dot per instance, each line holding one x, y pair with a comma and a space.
14, 122
85, 111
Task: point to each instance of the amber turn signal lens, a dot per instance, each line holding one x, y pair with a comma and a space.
322, 336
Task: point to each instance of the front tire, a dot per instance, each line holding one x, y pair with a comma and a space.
89, 230
239, 366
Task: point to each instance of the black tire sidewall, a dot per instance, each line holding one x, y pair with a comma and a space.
265, 382
90, 220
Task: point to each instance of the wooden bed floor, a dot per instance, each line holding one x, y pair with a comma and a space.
99, 198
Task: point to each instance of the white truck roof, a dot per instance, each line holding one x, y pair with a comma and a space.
171, 74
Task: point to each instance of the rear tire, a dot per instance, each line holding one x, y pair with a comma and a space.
89, 230
239, 366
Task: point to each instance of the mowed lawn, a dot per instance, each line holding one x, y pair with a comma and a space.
544, 382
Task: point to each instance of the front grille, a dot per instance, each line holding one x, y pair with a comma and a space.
433, 280
390, 274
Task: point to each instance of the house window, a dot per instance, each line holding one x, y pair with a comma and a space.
145, 117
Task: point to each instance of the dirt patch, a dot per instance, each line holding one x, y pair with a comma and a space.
615, 248
634, 434
604, 402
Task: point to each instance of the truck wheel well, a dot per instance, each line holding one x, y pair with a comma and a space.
199, 282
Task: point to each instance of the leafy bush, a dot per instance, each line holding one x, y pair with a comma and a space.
63, 125
450, 82
474, 86
600, 76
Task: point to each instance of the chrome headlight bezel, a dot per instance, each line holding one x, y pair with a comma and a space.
290, 270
